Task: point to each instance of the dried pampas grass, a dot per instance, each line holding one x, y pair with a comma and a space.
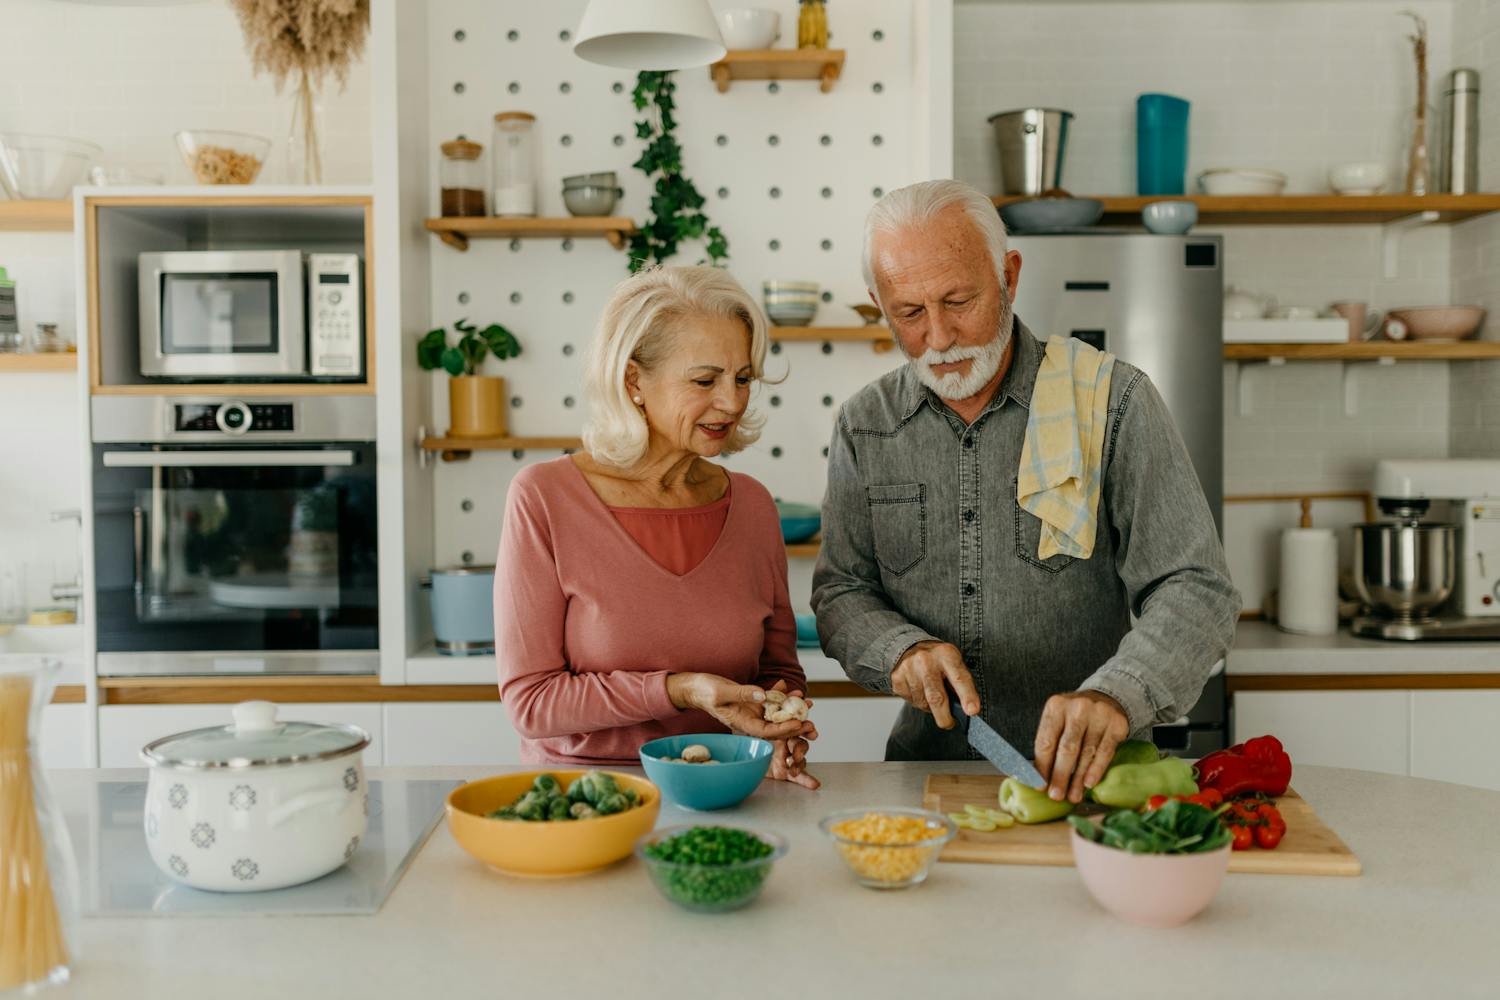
308, 39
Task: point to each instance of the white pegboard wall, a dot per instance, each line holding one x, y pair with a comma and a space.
789, 174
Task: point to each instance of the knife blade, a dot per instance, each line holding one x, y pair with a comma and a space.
994, 748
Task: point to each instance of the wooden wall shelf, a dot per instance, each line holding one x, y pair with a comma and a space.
1369, 350
455, 449
823, 65
805, 550
60, 361
876, 335
36, 216
457, 232
1300, 209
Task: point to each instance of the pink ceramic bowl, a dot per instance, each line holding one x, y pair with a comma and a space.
1158, 890
1439, 322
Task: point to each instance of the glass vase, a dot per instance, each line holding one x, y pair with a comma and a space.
304, 151
38, 871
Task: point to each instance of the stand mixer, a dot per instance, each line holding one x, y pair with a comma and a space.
1431, 579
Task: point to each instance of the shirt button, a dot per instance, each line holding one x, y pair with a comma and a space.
968, 515
968, 590
968, 442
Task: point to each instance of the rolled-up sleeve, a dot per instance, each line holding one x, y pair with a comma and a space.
1171, 561
857, 624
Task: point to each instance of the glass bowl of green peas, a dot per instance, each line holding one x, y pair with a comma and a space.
709, 869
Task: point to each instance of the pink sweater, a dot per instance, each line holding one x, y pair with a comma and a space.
588, 626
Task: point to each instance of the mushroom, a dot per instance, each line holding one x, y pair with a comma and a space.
696, 754
789, 708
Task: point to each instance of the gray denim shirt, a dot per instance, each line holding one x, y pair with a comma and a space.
923, 539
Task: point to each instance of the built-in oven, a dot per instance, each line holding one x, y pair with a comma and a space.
230, 526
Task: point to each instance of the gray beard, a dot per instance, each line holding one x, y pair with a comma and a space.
987, 359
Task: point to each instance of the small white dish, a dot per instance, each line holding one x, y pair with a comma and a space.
1357, 178
1169, 218
1242, 181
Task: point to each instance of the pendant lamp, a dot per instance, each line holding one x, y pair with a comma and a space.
649, 34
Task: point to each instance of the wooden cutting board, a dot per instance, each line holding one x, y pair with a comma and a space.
1309, 847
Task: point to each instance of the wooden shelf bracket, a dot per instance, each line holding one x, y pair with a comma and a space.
1392, 232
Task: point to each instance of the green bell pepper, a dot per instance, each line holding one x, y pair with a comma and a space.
1031, 805
1128, 786
1135, 752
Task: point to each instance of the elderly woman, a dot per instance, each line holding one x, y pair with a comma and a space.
641, 590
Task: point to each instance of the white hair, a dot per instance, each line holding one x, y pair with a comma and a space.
643, 321
920, 204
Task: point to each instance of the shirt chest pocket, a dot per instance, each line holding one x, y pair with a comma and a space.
1029, 538
898, 519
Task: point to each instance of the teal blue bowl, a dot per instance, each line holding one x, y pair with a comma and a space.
743, 762
807, 632
799, 521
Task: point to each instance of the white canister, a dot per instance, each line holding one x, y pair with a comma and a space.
1309, 599
258, 804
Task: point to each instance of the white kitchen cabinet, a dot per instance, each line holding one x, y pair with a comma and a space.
477, 732
1367, 730
64, 737
851, 729
124, 729
1455, 736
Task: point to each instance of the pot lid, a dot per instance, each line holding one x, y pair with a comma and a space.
255, 739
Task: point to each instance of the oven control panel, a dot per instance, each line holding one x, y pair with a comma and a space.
234, 417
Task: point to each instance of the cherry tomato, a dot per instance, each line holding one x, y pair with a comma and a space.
1212, 797
1267, 836
1243, 838
1155, 802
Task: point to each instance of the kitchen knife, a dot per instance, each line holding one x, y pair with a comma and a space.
993, 747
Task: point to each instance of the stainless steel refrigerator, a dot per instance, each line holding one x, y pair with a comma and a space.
1156, 302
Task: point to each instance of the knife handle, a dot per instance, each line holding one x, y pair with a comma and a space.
956, 709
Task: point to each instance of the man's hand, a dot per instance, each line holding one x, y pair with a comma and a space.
1076, 741
919, 676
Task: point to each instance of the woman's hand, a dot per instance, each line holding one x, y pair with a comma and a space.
738, 706
789, 756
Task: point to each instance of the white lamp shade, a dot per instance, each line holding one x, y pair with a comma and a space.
649, 34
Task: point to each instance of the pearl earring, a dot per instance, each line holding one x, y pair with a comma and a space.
638, 400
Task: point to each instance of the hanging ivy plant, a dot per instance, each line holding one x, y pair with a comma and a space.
676, 206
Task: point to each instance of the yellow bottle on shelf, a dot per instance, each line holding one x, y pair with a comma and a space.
812, 25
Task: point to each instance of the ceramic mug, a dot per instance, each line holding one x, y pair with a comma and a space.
1362, 322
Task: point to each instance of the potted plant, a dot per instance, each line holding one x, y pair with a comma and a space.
476, 403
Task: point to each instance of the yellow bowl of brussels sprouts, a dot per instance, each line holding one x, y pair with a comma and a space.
515, 823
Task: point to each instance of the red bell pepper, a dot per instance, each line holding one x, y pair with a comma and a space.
1258, 765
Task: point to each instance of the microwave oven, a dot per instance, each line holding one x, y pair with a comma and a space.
250, 314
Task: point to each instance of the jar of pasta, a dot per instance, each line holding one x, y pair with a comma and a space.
812, 25
38, 881
514, 155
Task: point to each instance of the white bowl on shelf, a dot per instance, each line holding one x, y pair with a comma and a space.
1242, 181
1357, 178
749, 27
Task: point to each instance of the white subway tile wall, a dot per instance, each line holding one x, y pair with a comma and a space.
1475, 388
129, 77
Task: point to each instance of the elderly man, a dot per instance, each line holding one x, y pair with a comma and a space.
930, 575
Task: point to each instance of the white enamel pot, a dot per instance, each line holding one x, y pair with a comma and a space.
257, 804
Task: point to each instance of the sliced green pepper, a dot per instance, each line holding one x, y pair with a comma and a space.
1128, 786
1031, 805
1135, 752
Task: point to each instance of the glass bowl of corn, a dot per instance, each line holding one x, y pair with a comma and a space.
888, 848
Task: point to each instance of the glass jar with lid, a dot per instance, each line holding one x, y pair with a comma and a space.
514, 155
461, 179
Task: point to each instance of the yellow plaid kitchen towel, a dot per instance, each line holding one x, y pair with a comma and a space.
1062, 458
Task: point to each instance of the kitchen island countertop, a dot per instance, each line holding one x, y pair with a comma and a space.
1420, 918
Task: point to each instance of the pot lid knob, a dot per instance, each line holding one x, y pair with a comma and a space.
254, 717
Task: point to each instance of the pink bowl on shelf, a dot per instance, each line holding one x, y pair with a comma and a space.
1157, 890
1439, 322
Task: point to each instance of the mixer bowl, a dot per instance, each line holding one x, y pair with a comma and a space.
1404, 571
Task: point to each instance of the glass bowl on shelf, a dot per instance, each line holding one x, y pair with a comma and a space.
43, 166
219, 157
